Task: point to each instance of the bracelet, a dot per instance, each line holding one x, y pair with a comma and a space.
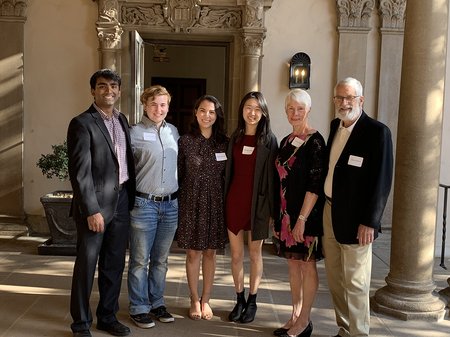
302, 217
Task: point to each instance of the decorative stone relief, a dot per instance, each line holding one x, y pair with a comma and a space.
13, 8
254, 14
188, 15
355, 13
393, 14
140, 15
219, 18
253, 44
181, 14
109, 29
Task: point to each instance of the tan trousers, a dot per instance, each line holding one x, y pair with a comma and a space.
348, 269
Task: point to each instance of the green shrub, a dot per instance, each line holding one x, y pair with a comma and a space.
55, 164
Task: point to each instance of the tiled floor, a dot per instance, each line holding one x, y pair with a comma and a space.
35, 291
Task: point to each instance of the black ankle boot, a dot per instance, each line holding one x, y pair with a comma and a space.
236, 313
250, 309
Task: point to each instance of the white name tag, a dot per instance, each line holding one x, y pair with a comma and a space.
247, 150
221, 156
297, 142
355, 161
150, 136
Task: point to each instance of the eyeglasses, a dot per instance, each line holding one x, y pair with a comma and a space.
340, 99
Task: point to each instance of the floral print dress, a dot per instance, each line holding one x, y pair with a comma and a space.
301, 169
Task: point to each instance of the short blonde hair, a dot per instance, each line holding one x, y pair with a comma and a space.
153, 91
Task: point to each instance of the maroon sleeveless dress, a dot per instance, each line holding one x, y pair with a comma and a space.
239, 197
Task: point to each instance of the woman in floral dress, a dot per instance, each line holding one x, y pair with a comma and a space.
301, 168
201, 228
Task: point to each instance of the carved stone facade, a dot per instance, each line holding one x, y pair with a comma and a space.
354, 13
392, 13
13, 8
219, 18
109, 28
190, 15
143, 15
241, 22
181, 15
253, 14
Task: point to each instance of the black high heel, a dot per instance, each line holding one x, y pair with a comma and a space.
280, 331
305, 333
236, 313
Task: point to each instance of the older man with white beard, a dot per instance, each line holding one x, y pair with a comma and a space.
356, 187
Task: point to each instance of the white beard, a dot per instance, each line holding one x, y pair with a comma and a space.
352, 115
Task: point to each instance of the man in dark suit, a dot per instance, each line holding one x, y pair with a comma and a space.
101, 169
356, 187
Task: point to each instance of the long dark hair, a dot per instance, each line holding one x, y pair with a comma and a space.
263, 129
218, 128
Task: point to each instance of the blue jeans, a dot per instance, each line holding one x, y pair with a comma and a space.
153, 227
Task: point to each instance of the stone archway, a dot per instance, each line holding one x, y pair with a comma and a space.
239, 22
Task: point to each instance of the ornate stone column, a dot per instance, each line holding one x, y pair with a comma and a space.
353, 28
409, 290
12, 27
109, 31
253, 34
392, 14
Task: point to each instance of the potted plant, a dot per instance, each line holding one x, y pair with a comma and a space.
63, 234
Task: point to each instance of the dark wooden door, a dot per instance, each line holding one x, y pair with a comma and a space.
184, 92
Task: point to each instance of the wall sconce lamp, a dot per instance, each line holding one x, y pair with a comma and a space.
300, 71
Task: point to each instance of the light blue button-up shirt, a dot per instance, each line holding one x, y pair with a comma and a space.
155, 155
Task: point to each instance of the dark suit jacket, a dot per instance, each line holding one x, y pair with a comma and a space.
265, 185
94, 168
360, 193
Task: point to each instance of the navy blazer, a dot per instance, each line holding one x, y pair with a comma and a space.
360, 193
94, 168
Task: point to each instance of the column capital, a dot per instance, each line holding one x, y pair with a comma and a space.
354, 13
392, 14
109, 28
253, 43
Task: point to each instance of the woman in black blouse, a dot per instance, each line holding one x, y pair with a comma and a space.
301, 168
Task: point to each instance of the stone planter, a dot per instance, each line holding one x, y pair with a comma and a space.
62, 228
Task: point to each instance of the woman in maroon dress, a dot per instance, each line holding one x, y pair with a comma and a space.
201, 227
250, 190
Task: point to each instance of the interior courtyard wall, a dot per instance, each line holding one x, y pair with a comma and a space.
290, 30
60, 56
